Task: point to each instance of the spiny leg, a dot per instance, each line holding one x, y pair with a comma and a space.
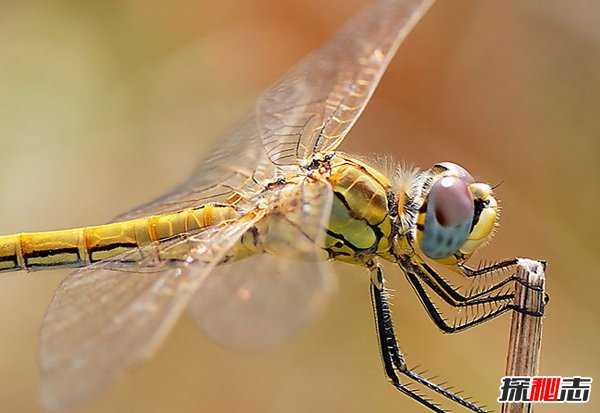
502, 302
510, 262
499, 267
452, 295
392, 357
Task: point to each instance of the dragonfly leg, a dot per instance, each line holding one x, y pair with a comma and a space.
453, 296
486, 269
392, 357
494, 299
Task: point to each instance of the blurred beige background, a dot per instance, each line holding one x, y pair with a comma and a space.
104, 105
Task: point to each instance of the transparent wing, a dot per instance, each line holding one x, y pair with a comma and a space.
315, 105
256, 303
297, 226
310, 110
111, 315
235, 169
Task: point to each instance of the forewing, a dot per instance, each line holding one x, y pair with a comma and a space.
236, 168
258, 302
111, 315
309, 110
315, 105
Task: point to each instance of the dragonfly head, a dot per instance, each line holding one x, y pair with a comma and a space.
457, 215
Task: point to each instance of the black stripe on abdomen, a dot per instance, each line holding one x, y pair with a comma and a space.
52, 257
107, 248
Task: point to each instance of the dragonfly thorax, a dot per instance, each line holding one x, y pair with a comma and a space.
360, 224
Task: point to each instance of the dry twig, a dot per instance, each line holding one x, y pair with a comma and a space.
526, 331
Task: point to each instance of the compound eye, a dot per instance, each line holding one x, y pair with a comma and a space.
461, 172
449, 216
452, 201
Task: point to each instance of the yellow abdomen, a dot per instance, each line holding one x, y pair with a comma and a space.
83, 246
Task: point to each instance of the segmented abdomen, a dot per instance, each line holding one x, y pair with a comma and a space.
83, 246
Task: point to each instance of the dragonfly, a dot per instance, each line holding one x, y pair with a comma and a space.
244, 243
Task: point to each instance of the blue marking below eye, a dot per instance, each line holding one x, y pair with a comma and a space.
448, 219
439, 241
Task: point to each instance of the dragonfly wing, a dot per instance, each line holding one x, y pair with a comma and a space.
235, 168
297, 226
309, 110
314, 106
258, 302
113, 314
